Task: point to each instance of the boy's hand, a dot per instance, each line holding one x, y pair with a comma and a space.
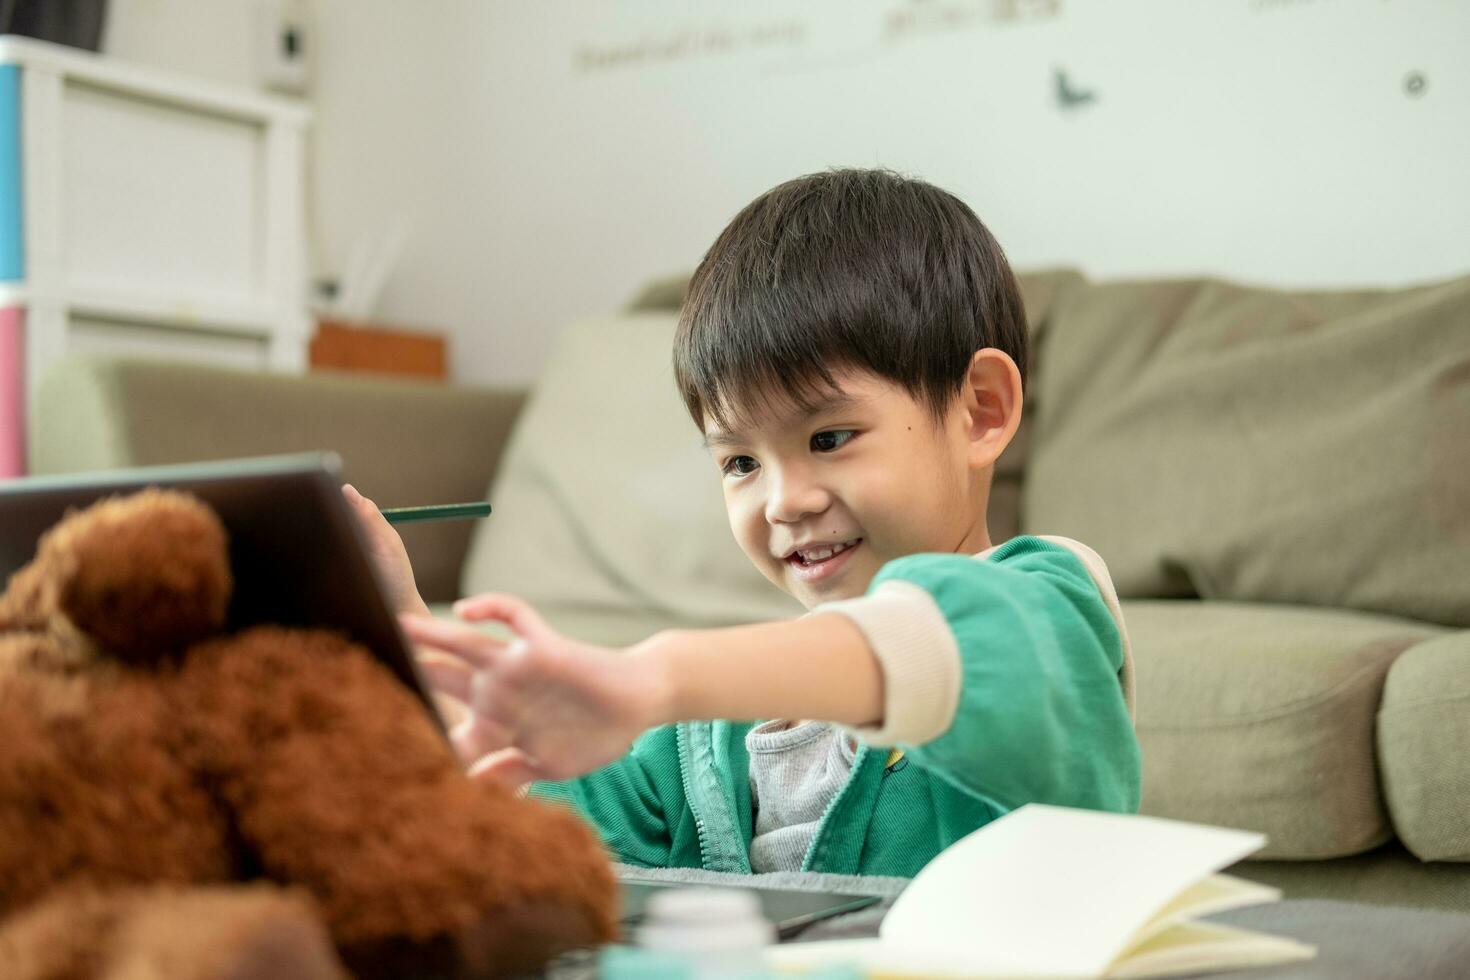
389, 557
543, 706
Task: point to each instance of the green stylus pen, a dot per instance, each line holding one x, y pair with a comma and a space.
437, 512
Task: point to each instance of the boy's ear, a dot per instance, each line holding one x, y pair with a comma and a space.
992, 400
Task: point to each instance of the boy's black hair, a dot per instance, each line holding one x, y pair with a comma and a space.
846, 268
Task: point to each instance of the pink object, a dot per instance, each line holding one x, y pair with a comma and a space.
12, 393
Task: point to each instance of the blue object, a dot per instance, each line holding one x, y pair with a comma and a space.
634, 963
12, 242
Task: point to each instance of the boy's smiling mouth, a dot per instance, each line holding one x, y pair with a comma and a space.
813, 562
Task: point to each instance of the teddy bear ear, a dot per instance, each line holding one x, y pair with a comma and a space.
146, 574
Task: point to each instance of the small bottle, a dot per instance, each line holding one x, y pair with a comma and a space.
719, 933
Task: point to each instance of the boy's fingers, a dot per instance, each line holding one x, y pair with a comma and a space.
371, 519
509, 767
511, 610
354, 496
451, 709
470, 645
475, 738
447, 674
492, 705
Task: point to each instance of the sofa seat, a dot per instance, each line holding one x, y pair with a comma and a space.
1274, 718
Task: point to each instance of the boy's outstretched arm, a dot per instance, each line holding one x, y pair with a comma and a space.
549, 708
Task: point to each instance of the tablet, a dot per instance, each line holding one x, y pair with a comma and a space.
298, 556
788, 910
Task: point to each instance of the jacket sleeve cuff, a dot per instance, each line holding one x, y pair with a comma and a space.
918, 655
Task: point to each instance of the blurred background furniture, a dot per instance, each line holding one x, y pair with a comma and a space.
143, 212
378, 349
1278, 481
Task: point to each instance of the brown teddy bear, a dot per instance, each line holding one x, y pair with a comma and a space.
179, 803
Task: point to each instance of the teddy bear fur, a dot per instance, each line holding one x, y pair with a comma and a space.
151, 766
243, 932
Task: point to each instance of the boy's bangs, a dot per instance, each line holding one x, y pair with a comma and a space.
741, 370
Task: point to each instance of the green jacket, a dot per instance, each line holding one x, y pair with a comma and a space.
1041, 718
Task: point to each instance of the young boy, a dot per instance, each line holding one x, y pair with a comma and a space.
853, 347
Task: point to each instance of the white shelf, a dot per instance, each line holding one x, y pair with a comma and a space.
173, 311
141, 82
162, 214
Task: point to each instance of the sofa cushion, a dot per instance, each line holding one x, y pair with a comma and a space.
1262, 717
1423, 737
1231, 442
608, 511
1039, 294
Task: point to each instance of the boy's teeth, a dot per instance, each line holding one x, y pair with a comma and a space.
822, 554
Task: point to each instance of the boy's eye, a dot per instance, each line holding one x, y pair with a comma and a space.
826, 442
739, 465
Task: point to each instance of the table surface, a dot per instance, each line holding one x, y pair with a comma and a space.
1353, 940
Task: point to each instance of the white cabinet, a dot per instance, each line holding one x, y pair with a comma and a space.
147, 212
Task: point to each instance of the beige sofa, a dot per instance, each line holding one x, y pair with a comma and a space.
1279, 481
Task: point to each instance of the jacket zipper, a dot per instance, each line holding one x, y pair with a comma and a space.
707, 800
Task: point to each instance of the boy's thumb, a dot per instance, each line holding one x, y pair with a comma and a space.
511, 768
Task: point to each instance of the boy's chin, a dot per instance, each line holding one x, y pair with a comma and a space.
812, 600
812, 594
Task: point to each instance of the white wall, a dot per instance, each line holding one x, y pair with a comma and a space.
547, 157
209, 38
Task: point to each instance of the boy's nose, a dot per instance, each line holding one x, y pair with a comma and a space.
794, 497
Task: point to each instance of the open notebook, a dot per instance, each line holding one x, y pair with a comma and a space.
1055, 892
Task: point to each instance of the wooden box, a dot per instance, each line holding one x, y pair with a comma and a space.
385, 350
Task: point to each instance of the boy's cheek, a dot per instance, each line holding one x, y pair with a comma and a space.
754, 543
749, 527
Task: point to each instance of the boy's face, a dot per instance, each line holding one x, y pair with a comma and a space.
820, 501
